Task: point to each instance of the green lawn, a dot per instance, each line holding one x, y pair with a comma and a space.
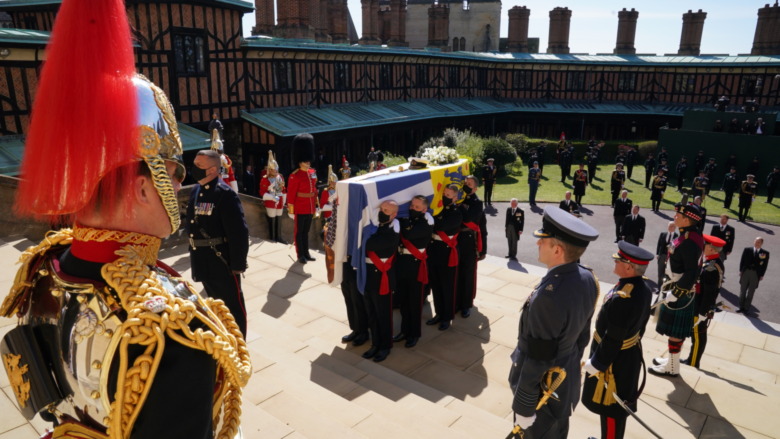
552, 190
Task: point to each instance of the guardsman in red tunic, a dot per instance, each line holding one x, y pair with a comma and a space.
274, 194
345, 170
302, 194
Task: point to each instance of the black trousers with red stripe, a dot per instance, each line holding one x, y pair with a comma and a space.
442, 279
379, 308
467, 271
302, 226
227, 287
409, 293
613, 428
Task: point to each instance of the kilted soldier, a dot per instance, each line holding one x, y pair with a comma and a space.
615, 361
707, 290
412, 266
97, 311
675, 318
554, 329
617, 181
302, 202
580, 183
700, 185
443, 258
658, 189
381, 250
649, 169
747, 193
469, 247
274, 194
681, 170
489, 177
730, 185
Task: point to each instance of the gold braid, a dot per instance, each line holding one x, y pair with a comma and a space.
136, 283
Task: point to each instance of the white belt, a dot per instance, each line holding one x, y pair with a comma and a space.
405, 251
438, 238
673, 276
369, 261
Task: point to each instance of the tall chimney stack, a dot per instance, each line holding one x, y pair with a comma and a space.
294, 20
690, 39
397, 23
320, 20
264, 17
439, 25
767, 38
626, 33
370, 9
337, 27
518, 29
560, 21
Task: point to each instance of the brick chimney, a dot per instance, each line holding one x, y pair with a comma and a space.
397, 24
320, 19
293, 20
439, 26
767, 38
518, 29
560, 20
264, 17
337, 25
370, 10
626, 33
690, 39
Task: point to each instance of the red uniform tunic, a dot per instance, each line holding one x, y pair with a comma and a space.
325, 203
302, 191
272, 191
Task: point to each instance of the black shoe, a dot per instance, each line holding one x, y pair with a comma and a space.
371, 352
302, 260
349, 337
411, 342
309, 258
508, 257
381, 355
513, 258
360, 340
444, 325
399, 337
433, 321
465, 313
686, 361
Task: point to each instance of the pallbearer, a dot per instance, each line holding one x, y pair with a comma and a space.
443, 254
469, 247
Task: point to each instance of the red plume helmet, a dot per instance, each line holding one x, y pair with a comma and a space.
84, 125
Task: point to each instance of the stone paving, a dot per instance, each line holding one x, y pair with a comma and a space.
307, 384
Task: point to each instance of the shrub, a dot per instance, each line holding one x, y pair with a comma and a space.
500, 150
519, 142
648, 146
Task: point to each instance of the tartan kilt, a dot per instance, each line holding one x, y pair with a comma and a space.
675, 322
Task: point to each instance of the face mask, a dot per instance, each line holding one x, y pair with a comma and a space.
413, 214
197, 173
446, 201
466, 190
383, 217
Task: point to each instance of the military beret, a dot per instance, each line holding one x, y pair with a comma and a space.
557, 223
632, 253
714, 241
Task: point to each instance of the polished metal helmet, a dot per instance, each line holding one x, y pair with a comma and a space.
272, 165
332, 177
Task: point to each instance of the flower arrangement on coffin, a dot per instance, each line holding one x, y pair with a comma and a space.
440, 155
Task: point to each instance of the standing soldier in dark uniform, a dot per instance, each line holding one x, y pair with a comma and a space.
219, 237
554, 328
565, 163
615, 361
514, 223
675, 318
469, 247
772, 180
541, 150
580, 183
663, 155
663, 164
681, 169
617, 181
649, 169
747, 193
658, 189
489, 177
630, 159
593, 163
700, 185
621, 157
96, 294
413, 269
709, 170
302, 194
708, 288
623, 206
443, 254
730, 185
357, 315
534, 175
698, 162
381, 250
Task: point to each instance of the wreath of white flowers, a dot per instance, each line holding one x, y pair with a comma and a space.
440, 155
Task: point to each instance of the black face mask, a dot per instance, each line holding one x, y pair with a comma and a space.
197, 173
466, 190
383, 217
446, 201
413, 214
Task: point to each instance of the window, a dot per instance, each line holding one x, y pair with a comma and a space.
684, 83
482, 78
751, 85
627, 81
575, 81
466, 6
422, 76
386, 76
189, 50
521, 79
456, 44
454, 77
283, 75
463, 44
341, 76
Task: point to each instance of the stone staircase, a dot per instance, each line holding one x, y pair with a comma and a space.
307, 384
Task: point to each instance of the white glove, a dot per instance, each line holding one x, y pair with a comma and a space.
525, 422
702, 317
292, 216
429, 218
670, 298
589, 368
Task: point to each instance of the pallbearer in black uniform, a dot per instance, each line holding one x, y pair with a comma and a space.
443, 258
111, 342
747, 194
658, 189
381, 250
580, 183
469, 247
675, 318
357, 315
615, 360
218, 236
617, 181
554, 329
707, 290
489, 177
412, 270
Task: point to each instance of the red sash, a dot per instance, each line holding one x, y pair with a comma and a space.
475, 228
422, 273
384, 267
452, 243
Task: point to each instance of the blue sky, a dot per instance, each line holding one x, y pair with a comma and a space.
729, 27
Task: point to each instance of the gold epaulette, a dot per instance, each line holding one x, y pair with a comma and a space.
625, 292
